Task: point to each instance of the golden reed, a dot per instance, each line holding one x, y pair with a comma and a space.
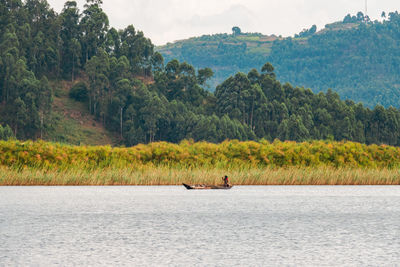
247, 163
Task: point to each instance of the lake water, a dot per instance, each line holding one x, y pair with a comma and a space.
157, 226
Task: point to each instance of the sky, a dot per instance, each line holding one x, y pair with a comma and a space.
166, 21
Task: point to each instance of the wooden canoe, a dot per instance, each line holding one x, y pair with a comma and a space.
205, 187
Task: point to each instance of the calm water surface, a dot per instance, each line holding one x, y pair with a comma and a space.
246, 226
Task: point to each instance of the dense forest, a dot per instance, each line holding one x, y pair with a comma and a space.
129, 89
356, 57
361, 63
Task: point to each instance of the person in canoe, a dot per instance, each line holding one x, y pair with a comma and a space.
226, 181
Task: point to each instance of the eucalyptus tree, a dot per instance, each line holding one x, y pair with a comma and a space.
94, 26
97, 69
70, 35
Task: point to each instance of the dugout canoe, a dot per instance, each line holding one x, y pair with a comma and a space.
205, 187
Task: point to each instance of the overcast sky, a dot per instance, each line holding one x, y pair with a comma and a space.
169, 20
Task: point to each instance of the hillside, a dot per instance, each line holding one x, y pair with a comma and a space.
225, 54
360, 61
106, 86
73, 124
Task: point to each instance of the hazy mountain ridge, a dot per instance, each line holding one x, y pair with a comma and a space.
358, 60
226, 54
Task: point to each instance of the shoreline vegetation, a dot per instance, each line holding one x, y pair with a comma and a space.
164, 177
246, 163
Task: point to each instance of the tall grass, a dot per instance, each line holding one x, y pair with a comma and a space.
167, 176
247, 163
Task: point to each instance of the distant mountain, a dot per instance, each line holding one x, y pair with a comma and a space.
357, 58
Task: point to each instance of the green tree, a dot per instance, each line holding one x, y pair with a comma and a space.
70, 36
203, 75
94, 26
236, 31
97, 69
6, 133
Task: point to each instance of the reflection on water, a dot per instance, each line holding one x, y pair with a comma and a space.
172, 226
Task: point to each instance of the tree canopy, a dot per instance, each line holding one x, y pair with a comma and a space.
132, 91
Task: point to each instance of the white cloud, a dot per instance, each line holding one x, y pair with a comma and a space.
168, 20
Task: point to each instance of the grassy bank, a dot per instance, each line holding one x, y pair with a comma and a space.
167, 176
247, 163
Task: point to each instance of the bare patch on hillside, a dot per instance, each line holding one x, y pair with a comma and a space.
73, 122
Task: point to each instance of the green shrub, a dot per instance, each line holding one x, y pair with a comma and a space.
79, 92
6, 133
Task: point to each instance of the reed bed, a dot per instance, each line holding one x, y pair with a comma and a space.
247, 163
227, 155
168, 176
